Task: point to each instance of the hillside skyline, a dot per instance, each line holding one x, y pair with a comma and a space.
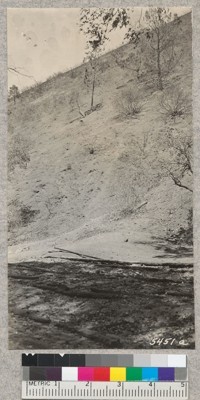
37, 38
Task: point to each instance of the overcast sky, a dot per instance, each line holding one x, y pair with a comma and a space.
42, 42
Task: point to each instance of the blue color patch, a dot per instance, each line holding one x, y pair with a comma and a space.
150, 374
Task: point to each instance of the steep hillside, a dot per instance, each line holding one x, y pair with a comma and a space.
91, 182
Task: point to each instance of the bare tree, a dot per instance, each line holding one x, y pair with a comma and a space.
157, 30
90, 78
96, 24
175, 158
160, 34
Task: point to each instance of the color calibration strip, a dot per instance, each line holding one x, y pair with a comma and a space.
104, 367
105, 374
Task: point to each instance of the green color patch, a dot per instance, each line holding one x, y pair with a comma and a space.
133, 374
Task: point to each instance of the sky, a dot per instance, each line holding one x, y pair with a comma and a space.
43, 42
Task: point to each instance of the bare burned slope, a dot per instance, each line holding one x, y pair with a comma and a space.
88, 175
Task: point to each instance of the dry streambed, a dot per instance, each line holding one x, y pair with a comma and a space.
94, 304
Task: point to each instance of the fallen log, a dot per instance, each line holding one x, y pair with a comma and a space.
71, 258
76, 253
116, 263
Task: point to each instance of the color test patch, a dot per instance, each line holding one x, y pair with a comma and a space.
93, 360
109, 360
102, 374
133, 374
150, 374
29, 360
46, 360
62, 360
117, 374
142, 360
77, 360
181, 374
86, 374
69, 374
125, 360
176, 360
166, 374
159, 360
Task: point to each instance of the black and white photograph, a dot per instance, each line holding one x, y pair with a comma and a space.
100, 178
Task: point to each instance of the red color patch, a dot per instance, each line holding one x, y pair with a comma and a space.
102, 374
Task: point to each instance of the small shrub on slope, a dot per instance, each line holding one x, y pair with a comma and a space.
129, 104
175, 104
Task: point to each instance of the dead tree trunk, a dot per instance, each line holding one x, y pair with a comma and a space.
93, 88
160, 82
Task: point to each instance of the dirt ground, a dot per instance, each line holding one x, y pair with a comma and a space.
99, 304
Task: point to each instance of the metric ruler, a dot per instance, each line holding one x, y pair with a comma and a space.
104, 390
104, 377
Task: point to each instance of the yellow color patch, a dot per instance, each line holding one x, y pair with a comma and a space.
117, 374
